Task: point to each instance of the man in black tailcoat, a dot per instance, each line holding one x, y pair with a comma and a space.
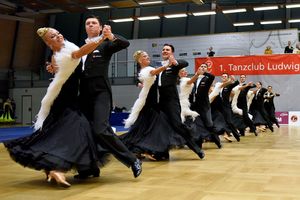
257, 105
96, 94
242, 104
226, 104
269, 104
199, 99
169, 98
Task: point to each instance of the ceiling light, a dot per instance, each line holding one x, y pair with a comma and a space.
123, 20
234, 10
292, 6
175, 15
271, 22
150, 2
243, 24
204, 13
294, 20
265, 8
97, 7
148, 18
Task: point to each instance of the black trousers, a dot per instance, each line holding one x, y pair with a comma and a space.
227, 112
271, 112
247, 120
97, 109
206, 117
169, 104
265, 115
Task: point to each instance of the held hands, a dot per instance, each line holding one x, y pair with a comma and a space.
106, 31
232, 78
250, 83
172, 60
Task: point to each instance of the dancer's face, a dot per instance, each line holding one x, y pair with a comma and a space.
183, 73
166, 52
203, 67
144, 59
54, 39
224, 77
258, 85
93, 27
242, 78
269, 88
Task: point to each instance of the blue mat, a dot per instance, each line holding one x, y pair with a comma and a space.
14, 132
117, 118
116, 121
17, 132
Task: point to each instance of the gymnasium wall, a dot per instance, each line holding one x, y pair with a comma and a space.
189, 48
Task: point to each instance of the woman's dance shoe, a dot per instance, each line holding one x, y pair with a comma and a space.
226, 137
59, 178
149, 156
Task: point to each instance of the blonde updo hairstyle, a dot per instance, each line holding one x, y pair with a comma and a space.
42, 31
137, 55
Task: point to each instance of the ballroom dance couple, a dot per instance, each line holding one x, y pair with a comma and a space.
155, 123
66, 136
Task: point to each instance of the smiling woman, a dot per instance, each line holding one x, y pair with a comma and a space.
64, 54
51, 148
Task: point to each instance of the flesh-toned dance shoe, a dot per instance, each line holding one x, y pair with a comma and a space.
149, 156
59, 178
226, 137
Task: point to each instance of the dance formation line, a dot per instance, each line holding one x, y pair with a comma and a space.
72, 130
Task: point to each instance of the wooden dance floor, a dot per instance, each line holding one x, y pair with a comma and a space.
266, 167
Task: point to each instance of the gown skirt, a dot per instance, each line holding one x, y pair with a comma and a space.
64, 142
151, 133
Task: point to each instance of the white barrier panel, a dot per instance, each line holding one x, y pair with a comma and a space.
294, 118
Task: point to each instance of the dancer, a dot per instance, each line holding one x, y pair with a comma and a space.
169, 99
200, 103
240, 107
150, 132
147, 76
227, 109
215, 100
257, 109
63, 139
269, 104
96, 94
186, 87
